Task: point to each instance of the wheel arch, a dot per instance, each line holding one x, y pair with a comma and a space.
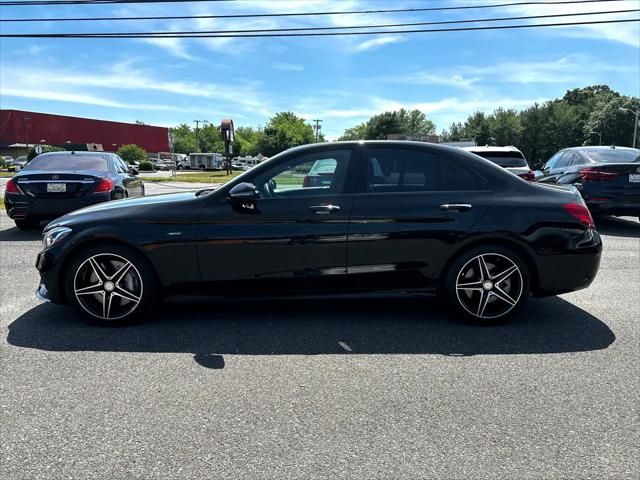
94, 242
522, 251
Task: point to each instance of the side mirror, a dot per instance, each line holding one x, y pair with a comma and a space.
244, 192
133, 170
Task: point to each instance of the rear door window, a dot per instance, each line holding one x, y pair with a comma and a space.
504, 159
391, 170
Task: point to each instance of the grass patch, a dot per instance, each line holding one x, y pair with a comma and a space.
6, 174
1, 202
206, 177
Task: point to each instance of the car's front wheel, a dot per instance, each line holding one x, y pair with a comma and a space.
488, 284
111, 283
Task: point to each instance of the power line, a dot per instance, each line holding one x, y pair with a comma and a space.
314, 34
293, 14
387, 25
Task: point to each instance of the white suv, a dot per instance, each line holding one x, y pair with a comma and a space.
509, 158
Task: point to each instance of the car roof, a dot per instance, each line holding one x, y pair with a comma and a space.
74, 152
488, 148
393, 143
593, 148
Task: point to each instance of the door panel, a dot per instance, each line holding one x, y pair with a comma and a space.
397, 239
291, 239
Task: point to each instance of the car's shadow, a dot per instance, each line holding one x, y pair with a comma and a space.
313, 327
618, 227
14, 234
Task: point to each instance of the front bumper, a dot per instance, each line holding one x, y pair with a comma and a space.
51, 287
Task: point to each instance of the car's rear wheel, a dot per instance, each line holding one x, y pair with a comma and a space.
488, 284
111, 283
25, 224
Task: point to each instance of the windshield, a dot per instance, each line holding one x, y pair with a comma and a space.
67, 162
504, 159
612, 156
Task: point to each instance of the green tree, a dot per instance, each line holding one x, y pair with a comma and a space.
477, 128
415, 122
383, 124
615, 125
284, 130
132, 153
247, 142
456, 132
505, 127
359, 132
184, 139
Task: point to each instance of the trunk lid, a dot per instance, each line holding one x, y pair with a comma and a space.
39, 184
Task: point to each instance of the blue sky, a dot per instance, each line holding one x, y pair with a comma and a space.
342, 80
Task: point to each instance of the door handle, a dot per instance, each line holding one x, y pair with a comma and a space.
324, 209
455, 207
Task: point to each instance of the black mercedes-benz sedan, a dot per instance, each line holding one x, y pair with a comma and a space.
56, 183
398, 217
607, 177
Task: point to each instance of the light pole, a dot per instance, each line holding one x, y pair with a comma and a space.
635, 125
599, 136
198, 122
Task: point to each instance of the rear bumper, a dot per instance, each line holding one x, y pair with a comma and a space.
24, 207
568, 272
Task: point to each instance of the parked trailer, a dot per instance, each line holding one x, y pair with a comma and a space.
206, 161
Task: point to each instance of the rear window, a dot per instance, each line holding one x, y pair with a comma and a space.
504, 159
612, 156
67, 162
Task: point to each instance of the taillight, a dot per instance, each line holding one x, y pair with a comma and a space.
305, 182
580, 212
530, 176
11, 187
593, 174
105, 185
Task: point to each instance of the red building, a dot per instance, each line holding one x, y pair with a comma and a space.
19, 128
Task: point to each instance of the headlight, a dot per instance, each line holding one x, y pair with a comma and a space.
54, 236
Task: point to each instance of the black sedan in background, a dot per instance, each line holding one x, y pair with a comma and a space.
56, 183
607, 177
392, 217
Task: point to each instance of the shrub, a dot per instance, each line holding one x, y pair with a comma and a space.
132, 153
146, 166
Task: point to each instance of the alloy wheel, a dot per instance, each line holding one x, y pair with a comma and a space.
108, 286
489, 285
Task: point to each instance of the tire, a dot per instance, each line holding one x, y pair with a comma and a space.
180, 167
491, 292
27, 224
111, 284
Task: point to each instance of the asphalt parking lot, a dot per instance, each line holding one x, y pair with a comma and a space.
383, 388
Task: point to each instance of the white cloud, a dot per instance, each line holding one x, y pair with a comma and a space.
124, 76
626, 33
67, 97
288, 66
377, 42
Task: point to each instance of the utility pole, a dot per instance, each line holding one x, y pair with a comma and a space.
635, 125
198, 122
317, 128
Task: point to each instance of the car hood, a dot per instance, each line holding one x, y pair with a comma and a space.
127, 209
